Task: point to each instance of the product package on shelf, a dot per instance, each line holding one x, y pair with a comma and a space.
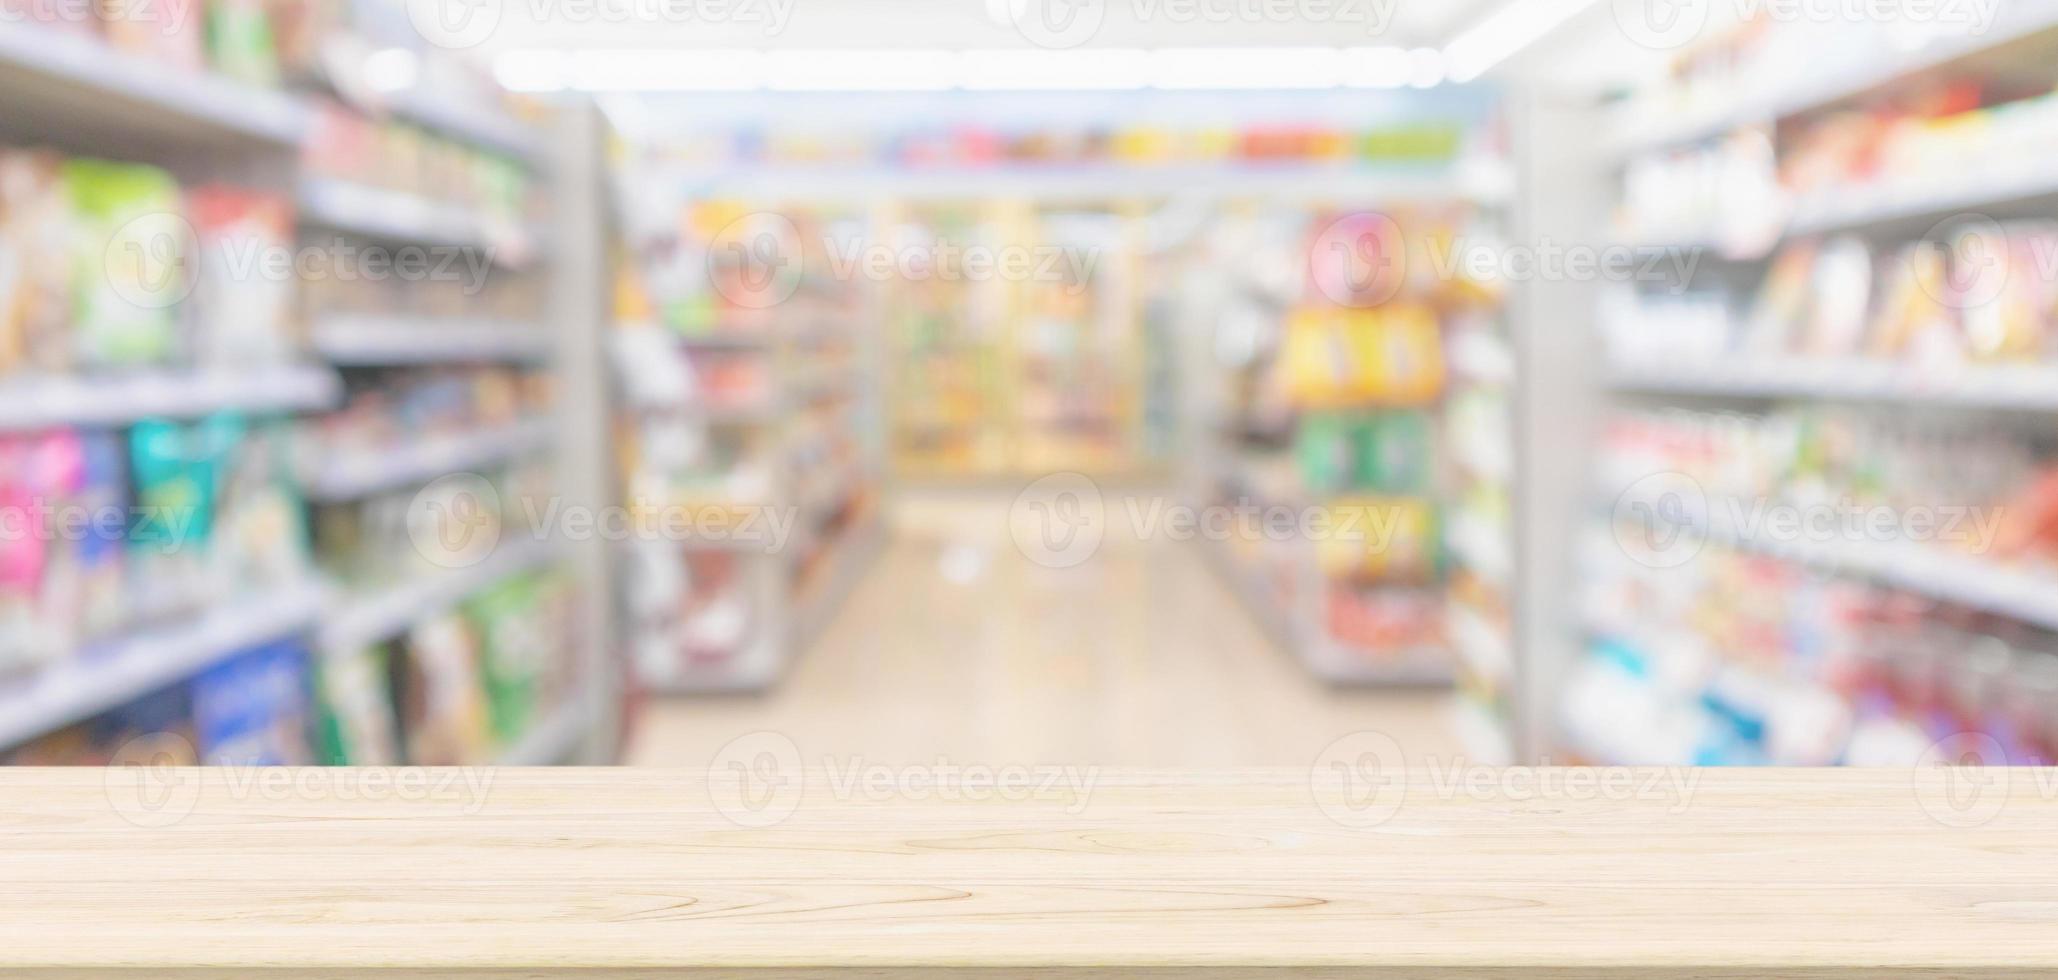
111, 267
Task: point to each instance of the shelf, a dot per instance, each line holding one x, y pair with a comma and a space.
554, 739
364, 340
1966, 580
121, 399
482, 126
365, 472
367, 618
1832, 80
108, 675
1949, 196
52, 80
393, 216
2025, 387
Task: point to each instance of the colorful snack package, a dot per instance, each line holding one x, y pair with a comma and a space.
35, 263
239, 41
444, 712
131, 262
167, 31
358, 726
175, 494
242, 310
260, 533
252, 710
510, 621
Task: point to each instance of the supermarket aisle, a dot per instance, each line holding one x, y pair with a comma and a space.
958, 646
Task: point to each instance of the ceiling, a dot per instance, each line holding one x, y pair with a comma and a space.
970, 24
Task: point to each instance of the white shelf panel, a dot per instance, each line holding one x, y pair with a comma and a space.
365, 618
1859, 206
112, 674
360, 473
50, 76
393, 216
122, 399
2026, 387
354, 340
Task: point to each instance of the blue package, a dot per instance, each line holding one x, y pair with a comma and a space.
252, 709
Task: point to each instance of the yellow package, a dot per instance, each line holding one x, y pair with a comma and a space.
1382, 539
1337, 358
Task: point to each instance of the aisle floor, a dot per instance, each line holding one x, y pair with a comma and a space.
957, 647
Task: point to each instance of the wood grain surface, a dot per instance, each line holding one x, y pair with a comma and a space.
1332, 871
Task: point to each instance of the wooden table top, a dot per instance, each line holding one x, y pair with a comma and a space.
1027, 872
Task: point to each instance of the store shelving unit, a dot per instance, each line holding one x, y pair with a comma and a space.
1891, 210
1862, 66
796, 591
82, 96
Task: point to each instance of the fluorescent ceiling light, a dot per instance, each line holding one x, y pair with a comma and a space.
1101, 69
930, 70
533, 70
1517, 25
1386, 67
914, 70
661, 70
1425, 68
1246, 68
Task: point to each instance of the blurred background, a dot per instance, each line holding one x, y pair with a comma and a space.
1178, 383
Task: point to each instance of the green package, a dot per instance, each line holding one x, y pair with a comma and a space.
1396, 453
132, 262
239, 42
509, 620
